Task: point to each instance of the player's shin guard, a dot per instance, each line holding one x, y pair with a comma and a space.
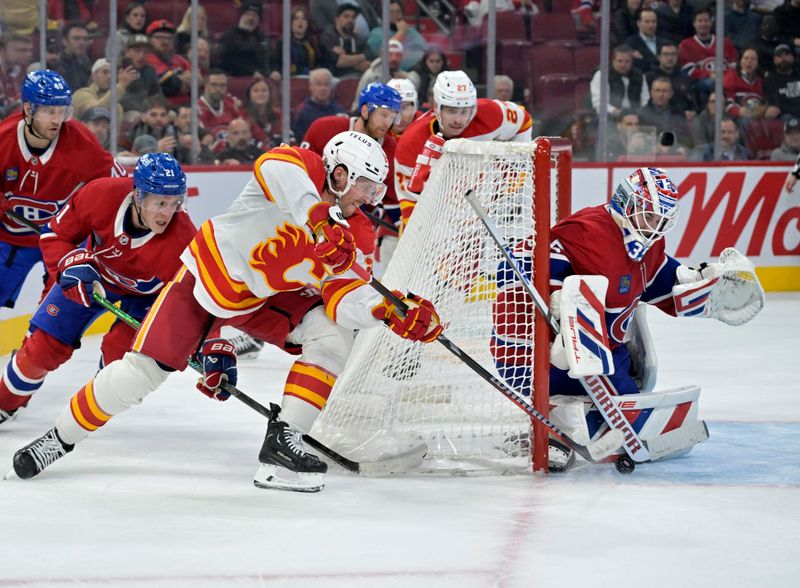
116, 388
25, 373
307, 389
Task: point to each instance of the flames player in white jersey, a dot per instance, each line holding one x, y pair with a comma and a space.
456, 112
44, 159
260, 266
122, 235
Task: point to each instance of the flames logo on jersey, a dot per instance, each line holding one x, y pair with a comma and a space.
286, 261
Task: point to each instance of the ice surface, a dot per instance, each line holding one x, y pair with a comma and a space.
163, 495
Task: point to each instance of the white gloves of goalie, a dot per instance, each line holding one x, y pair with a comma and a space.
728, 291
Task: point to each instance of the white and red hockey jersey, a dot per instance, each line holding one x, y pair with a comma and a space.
697, 58
495, 120
262, 245
129, 263
38, 186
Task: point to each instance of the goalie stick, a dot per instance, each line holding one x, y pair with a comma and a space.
598, 388
383, 467
594, 452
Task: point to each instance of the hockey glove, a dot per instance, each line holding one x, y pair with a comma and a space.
420, 323
431, 152
218, 357
77, 275
336, 246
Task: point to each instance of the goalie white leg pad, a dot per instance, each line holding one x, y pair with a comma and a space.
677, 442
275, 477
568, 413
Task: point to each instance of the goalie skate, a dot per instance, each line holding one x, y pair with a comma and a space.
35, 457
285, 464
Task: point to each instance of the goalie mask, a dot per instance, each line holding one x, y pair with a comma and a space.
645, 206
365, 162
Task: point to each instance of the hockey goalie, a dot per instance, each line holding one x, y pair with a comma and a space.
605, 261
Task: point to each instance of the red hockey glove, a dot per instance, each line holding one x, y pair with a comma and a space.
431, 151
420, 323
77, 275
336, 246
218, 357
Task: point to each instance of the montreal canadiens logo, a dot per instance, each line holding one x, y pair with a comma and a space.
52, 310
621, 323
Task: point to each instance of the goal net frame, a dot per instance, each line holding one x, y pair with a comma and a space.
400, 389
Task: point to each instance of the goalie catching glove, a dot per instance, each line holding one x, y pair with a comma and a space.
77, 276
218, 357
728, 291
336, 246
419, 322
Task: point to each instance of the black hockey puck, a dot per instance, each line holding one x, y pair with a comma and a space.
624, 464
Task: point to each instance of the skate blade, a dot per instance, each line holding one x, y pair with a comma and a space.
11, 474
273, 477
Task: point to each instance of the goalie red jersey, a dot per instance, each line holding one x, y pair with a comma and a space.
494, 120
129, 264
38, 186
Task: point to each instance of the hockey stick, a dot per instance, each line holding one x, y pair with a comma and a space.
594, 452
23, 221
379, 222
598, 388
383, 467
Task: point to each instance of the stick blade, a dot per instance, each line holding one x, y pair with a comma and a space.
396, 464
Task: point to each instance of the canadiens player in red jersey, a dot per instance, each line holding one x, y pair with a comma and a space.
260, 266
456, 112
136, 230
622, 240
38, 150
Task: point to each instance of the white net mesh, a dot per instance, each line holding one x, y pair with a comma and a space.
394, 393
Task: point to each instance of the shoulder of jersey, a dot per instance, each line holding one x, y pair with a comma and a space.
306, 159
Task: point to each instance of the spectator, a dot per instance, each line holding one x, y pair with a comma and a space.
323, 12
244, 49
768, 39
240, 147
203, 56
305, 52
674, 20
414, 44
134, 22
183, 38
503, 88
644, 43
98, 120
146, 85
703, 126
173, 71
74, 64
97, 92
782, 85
155, 122
216, 108
183, 129
697, 54
66, 11
763, 7
788, 15
262, 114
19, 17
374, 73
18, 56
627, 86
320, 103
744, 89
683, 96
790, 148
424, 73
741, 25
618, 141
623, 21
732, 149
345, 54
659, 113
143, 144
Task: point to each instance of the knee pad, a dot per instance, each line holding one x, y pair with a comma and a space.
325, 343
126, 382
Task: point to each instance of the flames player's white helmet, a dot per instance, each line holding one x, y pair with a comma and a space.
454, 88
645, 205
406, 89
363, 157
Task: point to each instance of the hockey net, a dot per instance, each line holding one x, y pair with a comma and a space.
394, 394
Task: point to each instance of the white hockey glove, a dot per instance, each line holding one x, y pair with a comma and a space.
728, 291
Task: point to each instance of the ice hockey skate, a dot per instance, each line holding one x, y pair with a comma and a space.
7, 415
560, 458
247, 347
285, 464
33, 458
